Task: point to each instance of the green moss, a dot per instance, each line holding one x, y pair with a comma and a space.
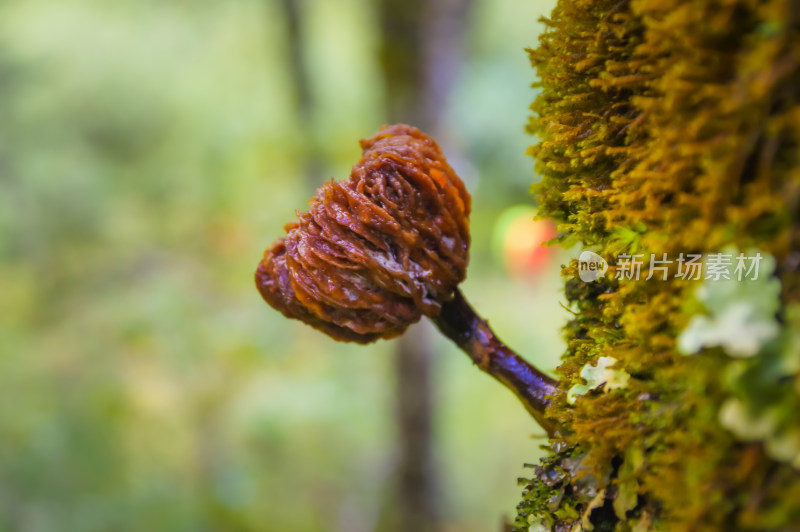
668, 126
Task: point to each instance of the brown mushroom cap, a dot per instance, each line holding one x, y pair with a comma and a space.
376, 252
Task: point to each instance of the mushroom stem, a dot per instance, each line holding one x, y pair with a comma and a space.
459, 322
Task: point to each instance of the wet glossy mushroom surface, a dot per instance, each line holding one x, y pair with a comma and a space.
375, 252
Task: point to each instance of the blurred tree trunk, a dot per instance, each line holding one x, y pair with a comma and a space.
421, 51
412, 504
304, 104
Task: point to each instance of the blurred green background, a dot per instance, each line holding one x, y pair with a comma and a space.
149, 152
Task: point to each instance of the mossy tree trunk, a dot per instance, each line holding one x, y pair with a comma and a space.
673, 127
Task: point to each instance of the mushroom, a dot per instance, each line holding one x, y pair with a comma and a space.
376, 252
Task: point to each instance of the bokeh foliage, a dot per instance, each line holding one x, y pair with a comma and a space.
149, 151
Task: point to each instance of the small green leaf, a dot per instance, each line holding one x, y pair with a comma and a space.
741, 312
738, 329
628, 483
537, 524
735, 417
595, 503
785, 446
596, 376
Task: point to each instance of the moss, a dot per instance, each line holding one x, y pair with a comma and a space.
665, 126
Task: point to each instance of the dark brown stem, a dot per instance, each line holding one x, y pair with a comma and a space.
459, 322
